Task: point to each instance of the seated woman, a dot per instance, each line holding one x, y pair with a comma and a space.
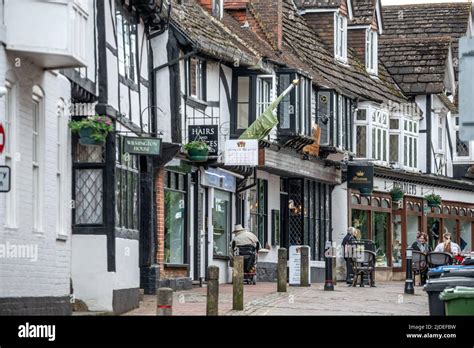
421, 243
447, 245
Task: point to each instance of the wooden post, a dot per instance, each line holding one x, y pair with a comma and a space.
282, 273
164, 303
304, 274
238, 284
212, 291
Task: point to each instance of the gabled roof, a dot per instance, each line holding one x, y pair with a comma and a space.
363, 11
428, 20
209, 36
314, 4
417, 65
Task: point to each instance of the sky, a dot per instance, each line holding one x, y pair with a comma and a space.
404, 2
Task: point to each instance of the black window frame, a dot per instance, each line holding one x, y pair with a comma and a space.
261, 214
294, 100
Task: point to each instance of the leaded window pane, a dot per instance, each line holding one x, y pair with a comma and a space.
89, 196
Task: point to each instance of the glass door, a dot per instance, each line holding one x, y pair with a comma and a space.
397, 249
221, 220
380, 225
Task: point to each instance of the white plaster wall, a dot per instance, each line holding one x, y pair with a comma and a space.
48, 275
127, 272
162, 85
339, 212
91, 281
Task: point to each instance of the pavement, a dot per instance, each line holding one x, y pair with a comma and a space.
386, 299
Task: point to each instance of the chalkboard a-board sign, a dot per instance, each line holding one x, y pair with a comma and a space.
209, 134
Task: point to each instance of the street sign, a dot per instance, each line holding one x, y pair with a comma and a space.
5, 178
295, 264
208, 134
2, 138
241, 152
142, 146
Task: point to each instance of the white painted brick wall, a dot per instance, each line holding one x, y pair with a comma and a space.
50, 274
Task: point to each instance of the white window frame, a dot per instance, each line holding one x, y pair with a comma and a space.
379, 121
396, 132
365, 124
10, 155
340, 37
37, 158
371, 50
441, 133
264, 100
410, 136
199, 77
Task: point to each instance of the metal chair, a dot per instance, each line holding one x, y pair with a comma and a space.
419, 265
363, 266
436, 259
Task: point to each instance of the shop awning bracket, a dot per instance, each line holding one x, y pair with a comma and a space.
252, 184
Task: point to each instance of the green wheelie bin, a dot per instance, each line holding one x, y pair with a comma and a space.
458, 300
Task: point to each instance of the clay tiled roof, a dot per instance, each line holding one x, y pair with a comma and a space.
428, 20
417, 65
209, 35
313, 4
302, 41
363, 12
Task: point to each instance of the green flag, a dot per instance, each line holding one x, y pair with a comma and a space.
263, 125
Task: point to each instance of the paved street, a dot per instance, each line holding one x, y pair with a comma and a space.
386, 299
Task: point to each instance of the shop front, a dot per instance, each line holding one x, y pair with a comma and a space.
393, 225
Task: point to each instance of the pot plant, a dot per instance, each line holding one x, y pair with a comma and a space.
397, 194
198, 151
92, 130
433, 200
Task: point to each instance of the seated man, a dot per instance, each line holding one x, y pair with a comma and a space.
242, 237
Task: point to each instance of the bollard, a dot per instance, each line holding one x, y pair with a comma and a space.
238, 284
282, 265
328, 284
164, 301
304, 274
409, 289
212, 291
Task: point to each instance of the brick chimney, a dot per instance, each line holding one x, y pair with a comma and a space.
269, 15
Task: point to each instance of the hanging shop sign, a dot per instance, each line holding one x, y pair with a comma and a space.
294, 254
208, 134
142, 146
5, 178
2, 138
241, 152
360, 177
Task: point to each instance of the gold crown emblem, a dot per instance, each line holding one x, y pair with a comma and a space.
241, 144
360, 173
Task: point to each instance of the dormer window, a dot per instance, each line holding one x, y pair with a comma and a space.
371, 46
340, 37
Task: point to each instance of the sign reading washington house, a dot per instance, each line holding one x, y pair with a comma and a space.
142, 146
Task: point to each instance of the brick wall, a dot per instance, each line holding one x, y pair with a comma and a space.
323, 24
356, 42
160, 226
269, 15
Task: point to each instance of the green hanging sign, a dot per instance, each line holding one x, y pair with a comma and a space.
142, 146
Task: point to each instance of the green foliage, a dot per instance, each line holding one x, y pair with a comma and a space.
101, 126
196, 145
433, 198
397, 193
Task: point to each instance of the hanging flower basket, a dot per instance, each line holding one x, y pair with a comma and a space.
92, 130
365, 192
433, 200
198, 151
397, 194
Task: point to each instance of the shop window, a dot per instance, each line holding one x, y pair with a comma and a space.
252, 94
197, 78
126, 44
466, 236
259, 211
175, 217
397, 257
221, 220
127, 190
380, 234
360, 221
